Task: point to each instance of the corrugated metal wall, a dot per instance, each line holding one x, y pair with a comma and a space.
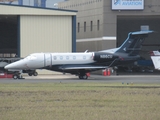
45, 34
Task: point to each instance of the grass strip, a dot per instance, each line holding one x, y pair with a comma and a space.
80, 101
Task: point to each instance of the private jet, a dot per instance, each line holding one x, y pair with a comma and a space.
83, 62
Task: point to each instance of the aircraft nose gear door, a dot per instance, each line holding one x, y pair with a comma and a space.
47, 60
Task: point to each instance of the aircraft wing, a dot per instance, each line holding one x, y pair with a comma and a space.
86, 67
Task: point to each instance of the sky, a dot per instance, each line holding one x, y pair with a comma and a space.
49, 3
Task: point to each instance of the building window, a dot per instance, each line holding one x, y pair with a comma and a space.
84, 26
78, 27
98, 24
91, 25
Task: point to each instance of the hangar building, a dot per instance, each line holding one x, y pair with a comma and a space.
105, 24
25, 30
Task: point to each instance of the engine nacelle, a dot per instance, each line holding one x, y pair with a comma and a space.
104, 57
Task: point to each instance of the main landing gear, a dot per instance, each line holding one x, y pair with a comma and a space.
83, 76
33, 73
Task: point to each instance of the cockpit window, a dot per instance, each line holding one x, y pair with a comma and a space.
31, 57
28, 57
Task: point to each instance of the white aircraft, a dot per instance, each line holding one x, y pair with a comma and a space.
155, 56
82, 63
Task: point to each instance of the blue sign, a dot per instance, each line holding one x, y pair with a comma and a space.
127, 4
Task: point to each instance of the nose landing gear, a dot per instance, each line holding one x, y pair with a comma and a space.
18, 74
34, 73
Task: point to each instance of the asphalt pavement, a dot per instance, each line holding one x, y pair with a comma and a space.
93, 78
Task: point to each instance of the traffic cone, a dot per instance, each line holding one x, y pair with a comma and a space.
108, 72
104, 72
88, 74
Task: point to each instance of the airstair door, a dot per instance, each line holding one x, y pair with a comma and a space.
47, 59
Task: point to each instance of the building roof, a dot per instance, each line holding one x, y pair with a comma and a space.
11, 9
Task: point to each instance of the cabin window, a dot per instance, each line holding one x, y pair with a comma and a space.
61, 57
67, 57
74, 57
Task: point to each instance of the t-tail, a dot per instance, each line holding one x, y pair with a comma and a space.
133, 43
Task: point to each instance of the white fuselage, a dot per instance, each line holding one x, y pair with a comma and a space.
41, 60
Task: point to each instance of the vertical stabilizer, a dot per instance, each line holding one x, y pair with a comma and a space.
132, 44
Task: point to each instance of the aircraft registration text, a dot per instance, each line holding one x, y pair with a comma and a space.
106, 56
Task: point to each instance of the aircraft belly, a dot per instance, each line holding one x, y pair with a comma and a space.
75, 69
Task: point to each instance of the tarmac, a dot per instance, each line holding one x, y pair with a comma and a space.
60, 78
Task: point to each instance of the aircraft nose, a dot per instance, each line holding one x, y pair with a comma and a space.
10, 66
15, 65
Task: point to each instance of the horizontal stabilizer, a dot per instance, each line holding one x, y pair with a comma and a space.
142, 32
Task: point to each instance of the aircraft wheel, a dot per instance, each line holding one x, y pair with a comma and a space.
35, 73
15, 76
30, 74
85, 77
80, 77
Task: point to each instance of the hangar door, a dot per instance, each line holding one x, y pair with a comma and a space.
45, 34
8, 35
